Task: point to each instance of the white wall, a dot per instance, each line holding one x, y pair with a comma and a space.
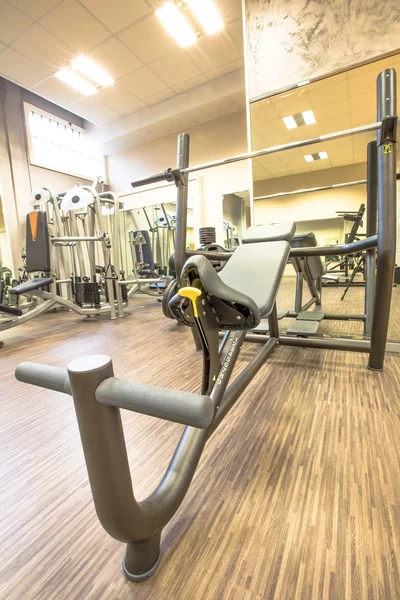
214, 140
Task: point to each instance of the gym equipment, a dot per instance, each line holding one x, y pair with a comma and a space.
227, 304
61, 251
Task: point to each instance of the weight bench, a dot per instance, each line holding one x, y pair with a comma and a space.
234, 300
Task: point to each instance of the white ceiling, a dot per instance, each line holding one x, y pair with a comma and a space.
38, 37
339, 102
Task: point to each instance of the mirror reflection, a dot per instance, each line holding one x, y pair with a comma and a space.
322, 187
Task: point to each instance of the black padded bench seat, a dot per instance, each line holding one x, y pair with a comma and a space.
308, 240
10, 310
30, 285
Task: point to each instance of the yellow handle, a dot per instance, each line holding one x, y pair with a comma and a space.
192, 293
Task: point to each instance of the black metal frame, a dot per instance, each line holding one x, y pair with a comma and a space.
98, 396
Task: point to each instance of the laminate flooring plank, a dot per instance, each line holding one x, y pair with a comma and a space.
296, 495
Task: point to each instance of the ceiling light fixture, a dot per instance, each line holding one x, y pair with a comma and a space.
315, 156
89, 68
176, 24
290, 122
206, 13
299, 119
76, 81
308, 117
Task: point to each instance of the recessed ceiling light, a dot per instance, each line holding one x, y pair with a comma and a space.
89, 68
316, 156
308, 117
206, 13
76, 81
290, 122
299, 119
176, 25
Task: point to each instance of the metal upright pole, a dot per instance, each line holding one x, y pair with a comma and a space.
181, 204
370, 258
386, 140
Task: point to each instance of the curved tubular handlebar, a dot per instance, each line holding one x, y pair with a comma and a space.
165, 176
51, 378
352, 248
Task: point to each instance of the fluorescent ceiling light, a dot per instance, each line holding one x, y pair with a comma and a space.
206, 13
87, 67
290, 122
75, 81
176, 24
308, 117
316, 156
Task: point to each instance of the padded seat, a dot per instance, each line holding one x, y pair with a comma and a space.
31, 285
250, 279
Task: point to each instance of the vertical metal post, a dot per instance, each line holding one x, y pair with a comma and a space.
370, 258
181, 203
387, 107
273, 324
299, 291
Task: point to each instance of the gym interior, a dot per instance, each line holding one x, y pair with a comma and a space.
199, 299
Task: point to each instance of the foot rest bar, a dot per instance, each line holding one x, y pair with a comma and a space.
51, 378
10, 310
180, 407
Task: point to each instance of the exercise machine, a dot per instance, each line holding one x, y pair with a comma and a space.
225, 305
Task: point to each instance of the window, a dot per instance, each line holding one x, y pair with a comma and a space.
56, 144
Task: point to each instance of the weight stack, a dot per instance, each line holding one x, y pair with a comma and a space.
207, 235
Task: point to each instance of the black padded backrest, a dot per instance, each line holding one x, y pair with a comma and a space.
315, 264
273, 232
256, 270
37, 242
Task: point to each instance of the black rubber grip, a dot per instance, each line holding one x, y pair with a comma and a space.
165, 176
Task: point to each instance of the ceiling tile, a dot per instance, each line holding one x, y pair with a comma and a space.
360, 84
57, 91
143, 83
328, 93
176, 67
18, 68
212, 51
275, 126
229, 9
35, 8
292, 102
116, 97
75, 26
190, 83
160, 96
91, 109
263, 113
12, 22
43, 48
148, 39
231, 66
129, 110
362, 117
345, 159
119, 13
235, 30
363, 102
331, 110
346, 148
115, 57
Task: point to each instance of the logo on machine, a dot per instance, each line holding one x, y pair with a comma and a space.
226, 363
387, 149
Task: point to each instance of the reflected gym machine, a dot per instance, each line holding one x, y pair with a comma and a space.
228, 304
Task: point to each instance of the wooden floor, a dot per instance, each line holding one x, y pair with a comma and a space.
297, 495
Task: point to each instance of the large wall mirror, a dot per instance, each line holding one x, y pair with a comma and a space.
281, 180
